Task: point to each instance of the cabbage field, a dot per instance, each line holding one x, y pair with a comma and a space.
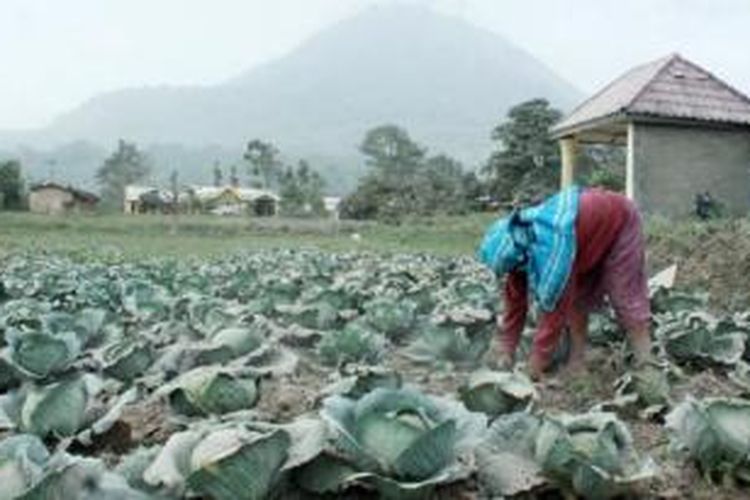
304, 374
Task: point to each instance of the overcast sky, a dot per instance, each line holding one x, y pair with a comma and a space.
54, 54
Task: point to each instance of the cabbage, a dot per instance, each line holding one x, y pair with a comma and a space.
393, 318
699, 338
127, 359
212, 390
227, 463
40, 354
506, 464
57, 409
715, 433
398, 440
22, 458
495, 393
591, 453
355, 343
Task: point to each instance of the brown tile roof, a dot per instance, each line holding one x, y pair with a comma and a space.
77, 193
670, 88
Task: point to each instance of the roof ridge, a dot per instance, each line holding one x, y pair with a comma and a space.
668, 61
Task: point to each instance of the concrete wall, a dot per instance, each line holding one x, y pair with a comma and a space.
672, 164
50, 200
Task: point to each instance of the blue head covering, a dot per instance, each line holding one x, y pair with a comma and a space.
540, 240
504, 246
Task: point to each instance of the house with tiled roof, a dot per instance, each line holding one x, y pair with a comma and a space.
51, 198
685, 132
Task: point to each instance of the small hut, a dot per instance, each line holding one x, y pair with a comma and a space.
685, 131
54, 199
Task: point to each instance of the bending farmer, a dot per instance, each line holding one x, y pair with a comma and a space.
570, 251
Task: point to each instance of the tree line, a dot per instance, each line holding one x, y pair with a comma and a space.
403, 177
301, 189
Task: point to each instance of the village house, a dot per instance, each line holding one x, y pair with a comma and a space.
54, 199
231, 200
686, 132
146, 199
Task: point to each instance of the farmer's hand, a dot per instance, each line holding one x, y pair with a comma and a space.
500, 359
537, 366
505, 361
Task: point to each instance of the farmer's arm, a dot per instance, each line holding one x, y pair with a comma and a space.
548, 333
514, 317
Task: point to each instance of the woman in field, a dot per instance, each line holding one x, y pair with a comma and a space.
569, 252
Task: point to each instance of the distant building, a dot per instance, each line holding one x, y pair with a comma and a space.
54, 199
230, 200
685, 131
331, 205
146, 199
227, 200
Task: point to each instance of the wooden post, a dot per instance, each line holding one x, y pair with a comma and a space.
568, 152
630, 163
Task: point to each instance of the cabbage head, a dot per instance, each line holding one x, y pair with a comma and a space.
495, 393
714, 433
400, 441
355, 343
592, 454
225, 463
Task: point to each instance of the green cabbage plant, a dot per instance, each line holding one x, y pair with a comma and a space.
398, 440
208, 390
317, 316
145, 301
696, 338
456, 334
81, 407
361, 380
22, 459
230, 343
39, 354
355, 343
230, 462
506, 462
593, 454
714, 433
204, 314
646, 388
58, 409
127, 359
68, 476
23, 313
87, 323
495, 393
393, 318
54, 343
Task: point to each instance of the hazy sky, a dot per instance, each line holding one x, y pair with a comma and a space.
54, 54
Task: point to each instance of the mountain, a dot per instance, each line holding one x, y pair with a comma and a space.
445, 80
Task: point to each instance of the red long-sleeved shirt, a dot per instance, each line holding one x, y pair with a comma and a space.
601, 215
